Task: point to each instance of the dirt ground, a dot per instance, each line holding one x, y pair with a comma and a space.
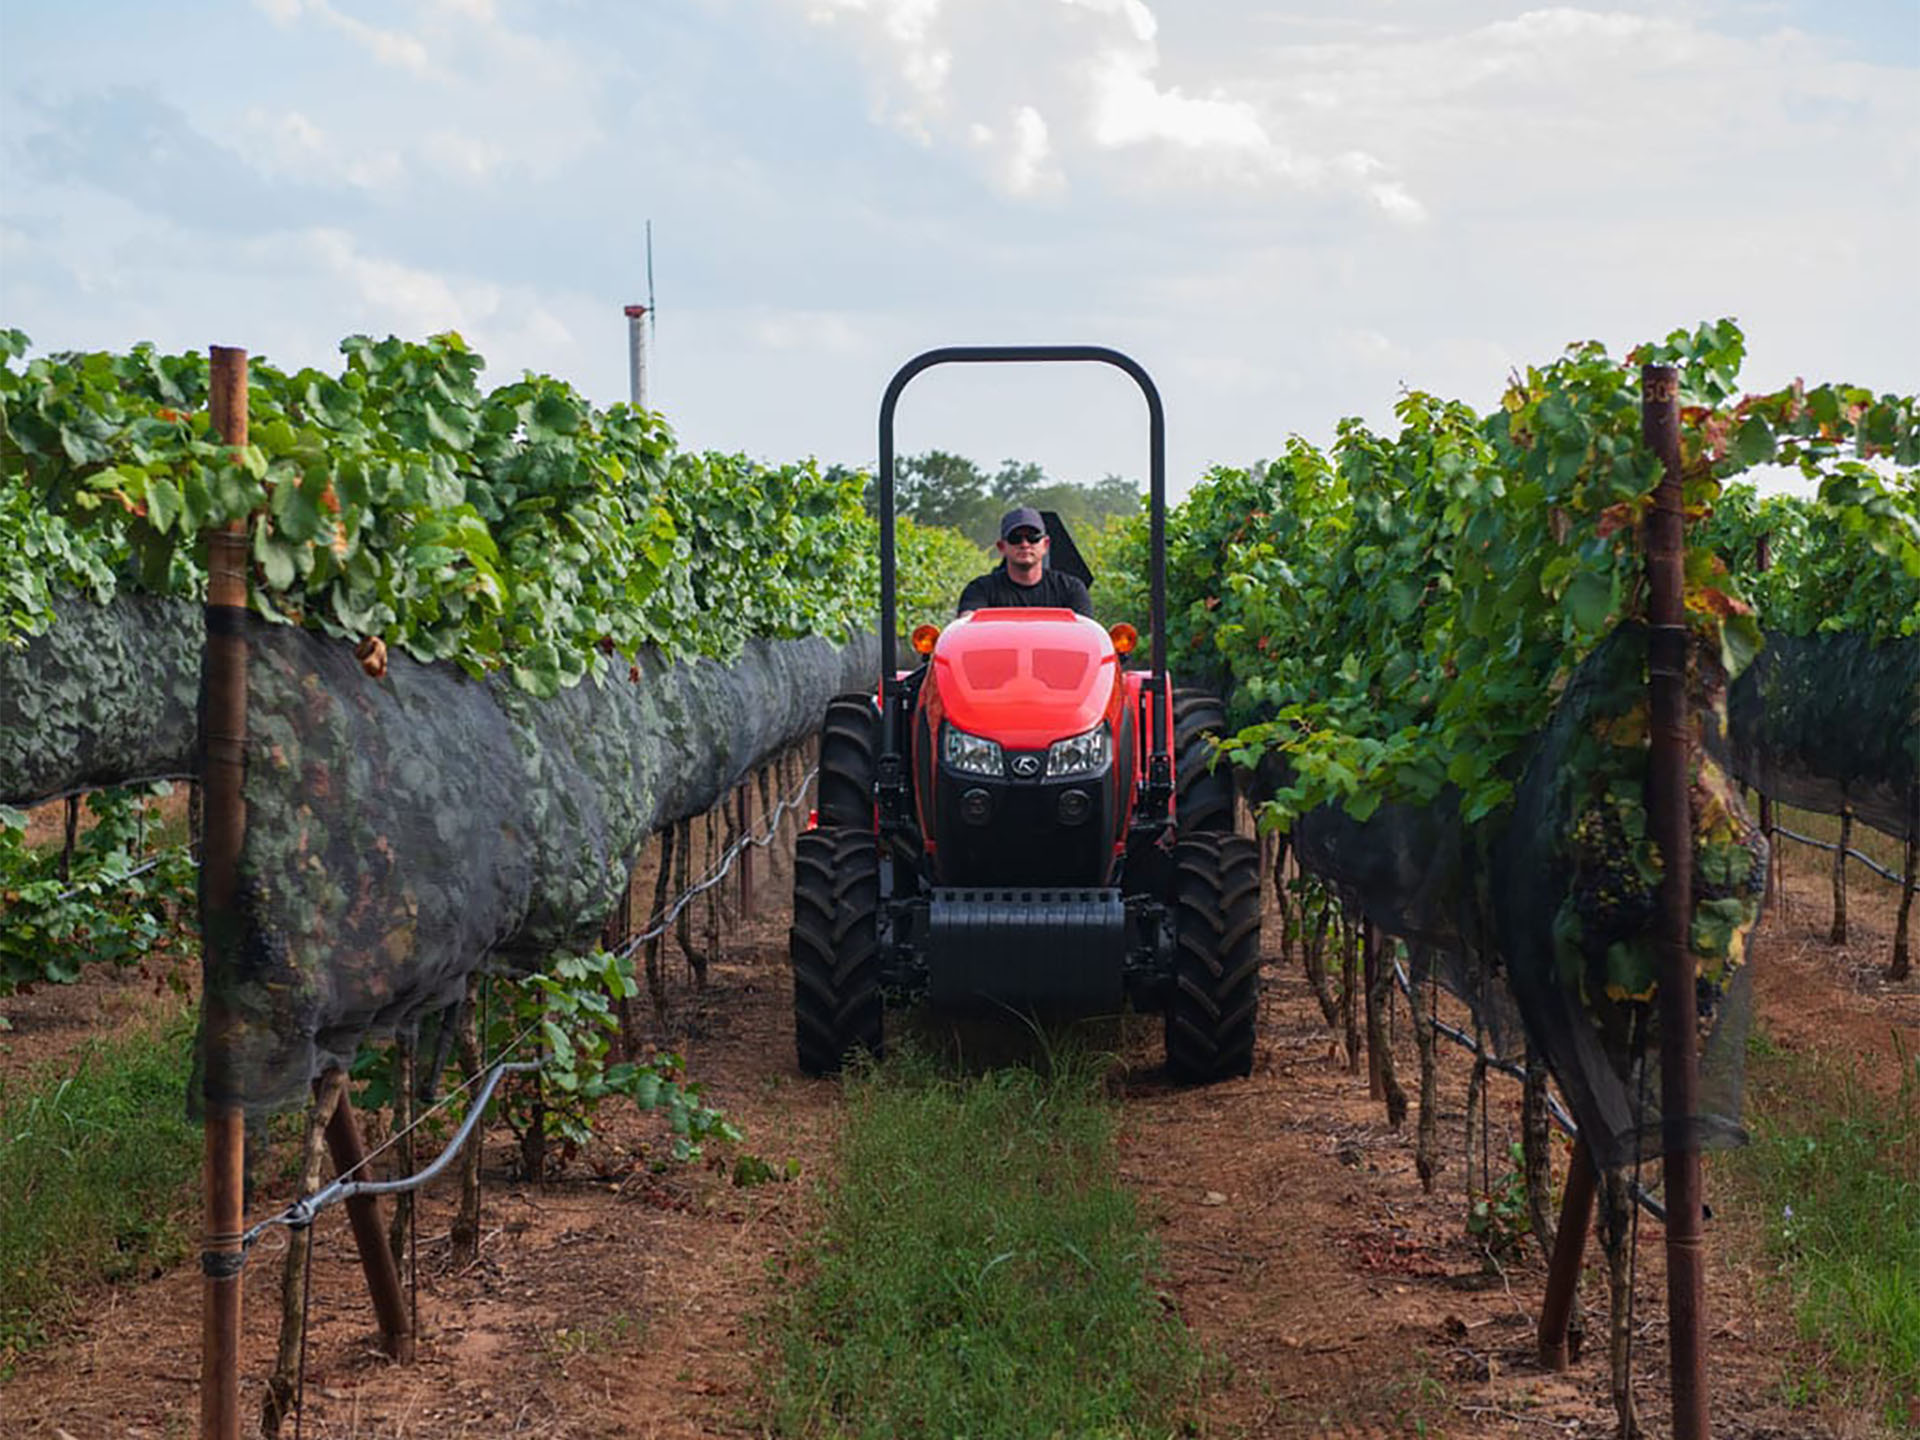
1296, 1243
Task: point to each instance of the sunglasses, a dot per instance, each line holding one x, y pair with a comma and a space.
1025, 537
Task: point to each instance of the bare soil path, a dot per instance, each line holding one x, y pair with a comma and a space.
1296, 1243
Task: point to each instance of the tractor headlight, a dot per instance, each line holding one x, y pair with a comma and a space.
972, 754
1082, 755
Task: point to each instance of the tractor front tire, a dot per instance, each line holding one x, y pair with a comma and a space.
1203, 792
1214, 1009
847, 745
835, 948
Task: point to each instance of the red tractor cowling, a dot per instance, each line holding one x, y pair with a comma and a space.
1025, 823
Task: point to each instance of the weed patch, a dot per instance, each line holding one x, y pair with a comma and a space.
1835, 1171
96, 1179
981, 1271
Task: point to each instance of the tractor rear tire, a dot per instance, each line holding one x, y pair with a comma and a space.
834, 945
1203, 792
1214, 1009
847, 744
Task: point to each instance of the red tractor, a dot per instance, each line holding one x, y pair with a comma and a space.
1026, 822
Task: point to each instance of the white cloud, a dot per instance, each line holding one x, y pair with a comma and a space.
287, 144
388, 47
826, 332
1127, 108
1024, 162
421, 301
1087, 78
465, 157
475, 98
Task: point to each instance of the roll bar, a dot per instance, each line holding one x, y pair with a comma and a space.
1156, 505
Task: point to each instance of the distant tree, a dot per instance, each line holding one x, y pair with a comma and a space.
1016, 480
941, 488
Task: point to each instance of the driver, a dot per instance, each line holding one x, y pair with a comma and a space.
1022, 577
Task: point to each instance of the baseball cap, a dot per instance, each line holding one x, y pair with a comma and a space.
1023, 517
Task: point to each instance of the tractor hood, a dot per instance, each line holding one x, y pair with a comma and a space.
1025, 677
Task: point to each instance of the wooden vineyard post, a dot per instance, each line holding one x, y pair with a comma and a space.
223, 740
1671, 827
281, 1385
1369, 980
744, 804
369, 1235
1900, 967
1563, 1269
1763, 562
1838, 934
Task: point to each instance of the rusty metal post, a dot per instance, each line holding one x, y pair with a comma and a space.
1670, 825
1763, 562
744, 806
1563, 1270
370, 1236
223, 734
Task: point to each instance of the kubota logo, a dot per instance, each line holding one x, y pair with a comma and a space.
1026, 766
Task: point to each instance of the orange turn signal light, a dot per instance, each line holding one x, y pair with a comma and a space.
1125, 638
923, 638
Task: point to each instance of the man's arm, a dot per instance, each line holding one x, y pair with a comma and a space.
974, 597
1077, 597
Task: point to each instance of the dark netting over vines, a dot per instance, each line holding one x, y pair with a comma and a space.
106, 697
1413, 871
1573, 888
399, 831
1542, 922
1829, 721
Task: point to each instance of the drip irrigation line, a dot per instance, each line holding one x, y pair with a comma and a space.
721, 867
1829, 846
1555, 1109
303, 1212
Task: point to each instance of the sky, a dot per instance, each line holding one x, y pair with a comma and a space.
1286, 213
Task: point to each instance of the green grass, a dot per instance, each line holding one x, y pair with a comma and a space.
980, 1272
97, 1168
1835, 1170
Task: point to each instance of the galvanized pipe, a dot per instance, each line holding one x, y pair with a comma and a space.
637, 355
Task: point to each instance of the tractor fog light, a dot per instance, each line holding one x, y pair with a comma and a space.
1082, 755
976, 807
1075, 806
972, 754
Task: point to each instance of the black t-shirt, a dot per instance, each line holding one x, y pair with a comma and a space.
996, 588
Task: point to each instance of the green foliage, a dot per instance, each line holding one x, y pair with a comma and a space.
980, 1271
1500, 1219
1345, 592
1846, 559
933, 565
97, 1167
569, 1007
103, 909
522, 528
1116, 552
